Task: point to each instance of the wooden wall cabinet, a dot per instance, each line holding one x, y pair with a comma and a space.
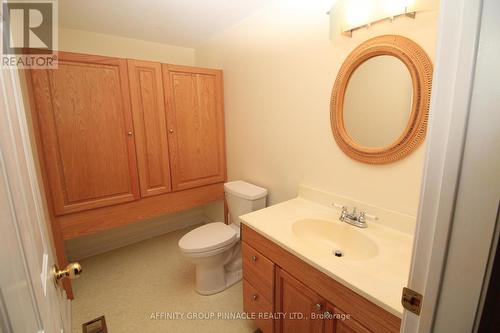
310, 300
150, 127
84, 119
125, 140
195, 119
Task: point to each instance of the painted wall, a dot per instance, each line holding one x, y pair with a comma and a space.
279, 67
115, 46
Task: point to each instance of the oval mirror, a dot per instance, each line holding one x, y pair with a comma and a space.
380, 100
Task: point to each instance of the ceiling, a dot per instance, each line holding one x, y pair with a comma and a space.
185, 23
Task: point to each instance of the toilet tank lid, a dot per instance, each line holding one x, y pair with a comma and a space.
245, 190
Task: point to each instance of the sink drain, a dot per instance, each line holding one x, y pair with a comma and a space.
338, 253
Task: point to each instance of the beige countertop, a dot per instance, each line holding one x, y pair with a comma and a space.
376, 259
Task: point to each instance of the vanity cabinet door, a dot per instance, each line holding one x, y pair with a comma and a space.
338, 322
86, 132
300, 304
195, 119
150, 124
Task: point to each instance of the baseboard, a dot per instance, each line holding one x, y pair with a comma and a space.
91, 245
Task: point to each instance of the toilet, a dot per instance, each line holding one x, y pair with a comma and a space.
215, 248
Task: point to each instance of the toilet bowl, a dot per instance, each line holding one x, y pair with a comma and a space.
215, 248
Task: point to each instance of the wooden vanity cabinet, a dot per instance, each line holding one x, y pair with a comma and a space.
299, 303
335, 321
310, 300
258, 287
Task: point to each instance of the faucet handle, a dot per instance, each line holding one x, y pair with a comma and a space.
343, 214
362, 217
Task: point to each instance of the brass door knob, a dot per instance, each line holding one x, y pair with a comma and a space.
72, 271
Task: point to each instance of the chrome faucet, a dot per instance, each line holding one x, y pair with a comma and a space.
354, 218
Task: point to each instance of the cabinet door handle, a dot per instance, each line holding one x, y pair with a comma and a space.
254, 258
171, 131
328, 315
318, 306
129, 133
255, 296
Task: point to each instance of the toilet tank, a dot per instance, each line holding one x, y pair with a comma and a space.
243, 198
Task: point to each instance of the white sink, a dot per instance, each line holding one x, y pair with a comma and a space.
331, 236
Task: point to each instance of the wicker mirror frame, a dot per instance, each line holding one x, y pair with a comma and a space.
420, 68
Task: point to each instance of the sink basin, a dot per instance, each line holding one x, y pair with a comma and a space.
331, 236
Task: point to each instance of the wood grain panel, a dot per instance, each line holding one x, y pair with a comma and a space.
259, 271
196, 125
148, 110
294, 298
105, 218
372, 316
84, 116
340, 323
256, 306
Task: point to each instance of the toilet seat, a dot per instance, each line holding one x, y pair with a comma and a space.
207, 238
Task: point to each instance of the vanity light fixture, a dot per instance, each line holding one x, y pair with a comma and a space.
406, 13
357, 14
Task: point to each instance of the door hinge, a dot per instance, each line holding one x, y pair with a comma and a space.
411, 300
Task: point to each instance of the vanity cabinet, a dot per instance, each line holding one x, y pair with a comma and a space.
258, 287
299, 303
124, 140
303, 298
336, 322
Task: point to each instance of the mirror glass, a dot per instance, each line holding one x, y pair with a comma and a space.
378, 102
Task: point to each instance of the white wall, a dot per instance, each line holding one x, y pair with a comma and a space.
114, 46
279, 67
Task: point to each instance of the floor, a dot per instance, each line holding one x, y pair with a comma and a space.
144, 286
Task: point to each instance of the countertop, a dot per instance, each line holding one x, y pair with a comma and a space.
379, 278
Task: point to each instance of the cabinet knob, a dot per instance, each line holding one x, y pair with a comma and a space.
129, 133
255, 296
254, 258
171, 131
318, 306
328, 315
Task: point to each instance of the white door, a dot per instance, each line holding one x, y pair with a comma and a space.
461, 188
29, 300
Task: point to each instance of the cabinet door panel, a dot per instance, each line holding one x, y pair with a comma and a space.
148, 109
340, 323
84, 118
196, 126
295, 299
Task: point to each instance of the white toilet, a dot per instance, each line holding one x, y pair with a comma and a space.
215, 247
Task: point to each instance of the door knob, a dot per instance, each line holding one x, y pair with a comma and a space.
72, 271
